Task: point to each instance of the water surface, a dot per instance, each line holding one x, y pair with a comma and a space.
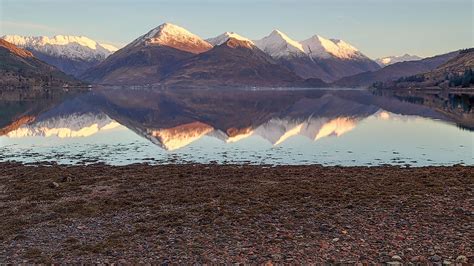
329, 127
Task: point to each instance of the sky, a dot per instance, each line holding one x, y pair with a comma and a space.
376, 27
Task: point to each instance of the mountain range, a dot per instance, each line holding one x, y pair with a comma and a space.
171, 56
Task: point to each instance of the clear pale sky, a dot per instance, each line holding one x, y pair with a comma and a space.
377, 27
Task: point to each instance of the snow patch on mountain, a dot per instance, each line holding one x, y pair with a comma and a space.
389, 60
278, 44
74, 47
218, 40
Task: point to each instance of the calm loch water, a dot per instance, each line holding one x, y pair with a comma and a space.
329, 127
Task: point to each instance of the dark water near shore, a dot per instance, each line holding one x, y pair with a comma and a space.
329, 127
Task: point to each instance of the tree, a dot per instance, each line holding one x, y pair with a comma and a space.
467, 78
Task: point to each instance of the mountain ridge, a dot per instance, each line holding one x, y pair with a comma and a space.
395, 71
164, 56
455, 72
20, 68
71, 54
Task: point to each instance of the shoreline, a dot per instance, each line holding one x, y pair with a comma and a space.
200, 213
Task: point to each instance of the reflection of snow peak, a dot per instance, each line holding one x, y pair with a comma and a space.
274, 129
72, 126
237, 135
277, 130
180, 136
336, 127
290, 133
384, 115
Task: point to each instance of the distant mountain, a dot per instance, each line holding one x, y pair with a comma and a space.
456, 72
218, 40
233, 63
390, 60
71, 54
149, 58
395, 71
316, 57
20, 68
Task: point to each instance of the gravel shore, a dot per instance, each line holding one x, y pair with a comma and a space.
236, 213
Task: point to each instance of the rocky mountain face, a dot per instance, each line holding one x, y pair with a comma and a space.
71, 54
233, 63
20, 68
395, 71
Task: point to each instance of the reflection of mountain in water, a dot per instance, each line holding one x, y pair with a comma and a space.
457, 107
180, 136
16, 109
276, 131
69, 126
175, 119
72, 118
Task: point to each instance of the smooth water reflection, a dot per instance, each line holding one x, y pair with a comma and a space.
259, 127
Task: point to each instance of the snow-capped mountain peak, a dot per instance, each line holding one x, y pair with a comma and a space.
171, 35
385, 61
320, 47
218, 40
278, 44
75, 47
57, 40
